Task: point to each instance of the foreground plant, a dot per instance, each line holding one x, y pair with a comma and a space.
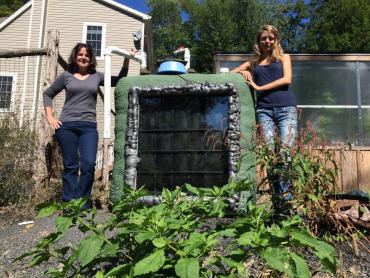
174, 238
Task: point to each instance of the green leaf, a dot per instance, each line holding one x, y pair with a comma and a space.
280, 232
159, 242
90, 248
46, 209
40, 258
301, 266
166, 194
293, 221
187, 268
313, 198
111, 250
151, 263
279, 259
246, 238
228, 233
233, 264
29, 253
323, 250
63, 223
62, 251
192, 189
140, 238
218, 209
118, 271
53, 272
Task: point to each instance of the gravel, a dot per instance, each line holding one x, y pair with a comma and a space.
18, 239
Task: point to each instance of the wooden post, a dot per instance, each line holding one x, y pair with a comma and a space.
105, 166
46, 133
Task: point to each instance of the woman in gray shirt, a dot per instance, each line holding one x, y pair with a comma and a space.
76, 129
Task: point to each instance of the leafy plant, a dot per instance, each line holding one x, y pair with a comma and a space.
17, 155
312, 167
18, 160
176, 238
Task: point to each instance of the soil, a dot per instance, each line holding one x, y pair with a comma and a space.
17, 239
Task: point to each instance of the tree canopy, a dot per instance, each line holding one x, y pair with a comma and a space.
8, 7
230, 25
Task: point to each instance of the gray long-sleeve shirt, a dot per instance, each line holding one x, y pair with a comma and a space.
81, 95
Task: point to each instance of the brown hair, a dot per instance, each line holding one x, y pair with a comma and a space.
72, 61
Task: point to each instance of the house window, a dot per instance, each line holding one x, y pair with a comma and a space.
94, 35
183, 135
7, 87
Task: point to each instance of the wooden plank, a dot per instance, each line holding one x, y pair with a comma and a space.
98, 173
260, 176
349, 171
337, 157
363, 162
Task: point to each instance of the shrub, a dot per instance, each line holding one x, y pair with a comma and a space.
17, 158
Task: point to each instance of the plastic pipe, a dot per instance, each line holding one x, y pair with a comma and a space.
186, 52
141, 59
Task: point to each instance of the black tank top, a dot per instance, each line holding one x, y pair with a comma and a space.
278, 97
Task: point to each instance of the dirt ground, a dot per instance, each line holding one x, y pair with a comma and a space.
16, 239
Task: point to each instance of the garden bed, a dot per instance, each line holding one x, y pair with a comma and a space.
17, 239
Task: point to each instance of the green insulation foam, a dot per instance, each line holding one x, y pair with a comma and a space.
247, 169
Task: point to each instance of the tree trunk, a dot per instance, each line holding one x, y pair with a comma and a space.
43, 168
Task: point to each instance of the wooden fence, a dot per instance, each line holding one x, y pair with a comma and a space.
354, 169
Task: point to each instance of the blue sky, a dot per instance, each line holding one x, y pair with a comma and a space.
138, 5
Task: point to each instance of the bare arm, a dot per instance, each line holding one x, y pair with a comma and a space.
53, 122
285, 80
245, 69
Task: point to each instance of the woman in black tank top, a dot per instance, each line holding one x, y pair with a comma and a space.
269, 73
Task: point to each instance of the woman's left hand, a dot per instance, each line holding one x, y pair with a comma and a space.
254, 85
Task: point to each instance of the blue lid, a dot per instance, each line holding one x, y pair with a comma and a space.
171, 67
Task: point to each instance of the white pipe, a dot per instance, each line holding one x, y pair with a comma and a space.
37, 76
186, 56
25, 74
141, 59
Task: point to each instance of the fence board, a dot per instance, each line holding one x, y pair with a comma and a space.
337, 157
349, 171
363, 164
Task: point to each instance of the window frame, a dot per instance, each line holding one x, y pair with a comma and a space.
104, 28
207, 89
13, 90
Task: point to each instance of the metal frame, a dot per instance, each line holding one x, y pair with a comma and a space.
206, 89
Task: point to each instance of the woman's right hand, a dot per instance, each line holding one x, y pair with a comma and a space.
53, 122
247, 75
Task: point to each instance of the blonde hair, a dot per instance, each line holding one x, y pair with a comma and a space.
277, 51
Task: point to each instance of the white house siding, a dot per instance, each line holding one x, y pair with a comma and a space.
68, 17
14, 36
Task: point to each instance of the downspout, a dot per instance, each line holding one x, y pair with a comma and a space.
38, 67
141, 59
26, 69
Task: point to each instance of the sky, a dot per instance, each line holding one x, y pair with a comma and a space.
138, 5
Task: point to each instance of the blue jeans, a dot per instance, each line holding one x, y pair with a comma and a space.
280, 122
79, 144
